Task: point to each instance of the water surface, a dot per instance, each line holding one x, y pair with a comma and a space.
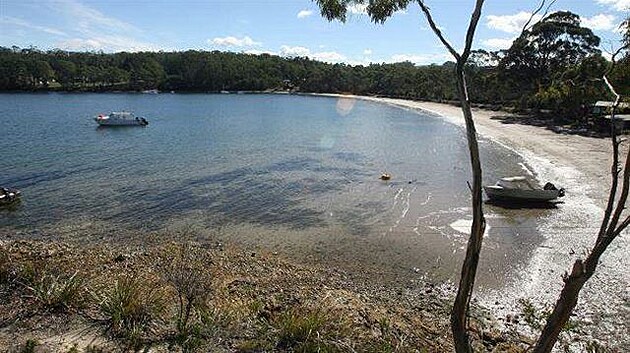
294, 174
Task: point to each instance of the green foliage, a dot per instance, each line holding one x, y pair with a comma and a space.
58, 292
29, 346
5, 266
53, 286
536, 317
303, 329
73, 349
547, 49
130, 306
379, 10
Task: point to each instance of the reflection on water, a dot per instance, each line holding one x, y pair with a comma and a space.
299, 173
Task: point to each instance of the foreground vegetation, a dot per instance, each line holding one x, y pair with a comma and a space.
555, 66
186, 297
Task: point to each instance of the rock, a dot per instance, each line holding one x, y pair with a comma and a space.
121, 258
493, 337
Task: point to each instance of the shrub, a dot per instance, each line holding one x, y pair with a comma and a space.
29, 346
4, 265
131, 306
185, 268
303, 329
54, 287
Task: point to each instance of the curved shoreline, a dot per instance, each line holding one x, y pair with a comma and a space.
590, 156
581, 165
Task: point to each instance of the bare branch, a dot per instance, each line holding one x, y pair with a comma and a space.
548, 7
437, 30
624, 224
621, 204
540, 7
615, 165
531, 18
472, 26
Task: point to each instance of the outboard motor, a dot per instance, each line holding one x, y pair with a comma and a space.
550, 186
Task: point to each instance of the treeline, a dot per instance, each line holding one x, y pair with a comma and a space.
31, 69
555, 65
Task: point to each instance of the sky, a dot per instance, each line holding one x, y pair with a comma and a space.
281, 27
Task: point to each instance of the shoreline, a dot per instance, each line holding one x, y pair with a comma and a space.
538, 275
589, 156
581, 165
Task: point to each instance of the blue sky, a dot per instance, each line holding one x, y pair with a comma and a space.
282, 27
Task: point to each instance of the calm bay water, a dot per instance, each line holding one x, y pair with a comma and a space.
292, 173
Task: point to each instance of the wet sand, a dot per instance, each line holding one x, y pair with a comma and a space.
581, 165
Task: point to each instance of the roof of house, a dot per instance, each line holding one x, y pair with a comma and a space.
610, 104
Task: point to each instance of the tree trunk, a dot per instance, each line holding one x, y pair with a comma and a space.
610, 229
471, 261
567, 301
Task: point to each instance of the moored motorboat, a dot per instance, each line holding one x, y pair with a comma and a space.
121, 119
9, 195
522, 189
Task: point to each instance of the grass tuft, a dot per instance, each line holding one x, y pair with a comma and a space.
55, 288
130, 306
29, 346
303, 329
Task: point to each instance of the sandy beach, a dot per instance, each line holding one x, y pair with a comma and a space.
581, 165
590, 156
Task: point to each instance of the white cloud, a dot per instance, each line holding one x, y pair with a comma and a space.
326, 56
510, 23
87, 18
304, 13
91, 29
230, 41
498, 43
106, 43
619, 5
361, 9
22, 23
286, 50
600, 22
329, 56
358, 9
420, 59
367, 52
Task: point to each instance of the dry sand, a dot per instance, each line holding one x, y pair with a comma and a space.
582, 165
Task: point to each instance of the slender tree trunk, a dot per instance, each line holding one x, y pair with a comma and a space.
609, 230
567, 301
471, 261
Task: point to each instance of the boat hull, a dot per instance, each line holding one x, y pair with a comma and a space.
10, 196
495, 192
109, 122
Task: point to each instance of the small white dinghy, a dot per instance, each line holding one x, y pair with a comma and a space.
522, 189
8, 195
121, 119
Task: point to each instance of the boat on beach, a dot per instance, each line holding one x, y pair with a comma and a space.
9, 195
522, 189
121, 119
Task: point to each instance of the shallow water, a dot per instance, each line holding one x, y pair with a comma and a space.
293, 174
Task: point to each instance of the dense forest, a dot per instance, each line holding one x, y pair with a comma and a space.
554, 66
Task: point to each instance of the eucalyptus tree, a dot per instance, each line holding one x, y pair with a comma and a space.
547, 48
379, 11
